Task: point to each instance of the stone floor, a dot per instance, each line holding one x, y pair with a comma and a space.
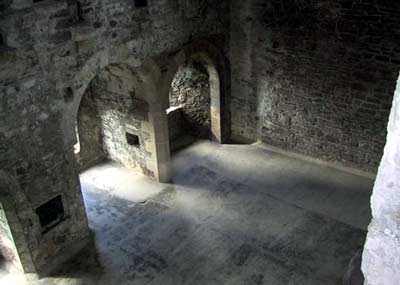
236, 214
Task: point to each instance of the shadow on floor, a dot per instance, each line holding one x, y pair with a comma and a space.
84, 265
236, 215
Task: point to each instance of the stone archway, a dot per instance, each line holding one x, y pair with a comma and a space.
113, 121
148, 78
213, 60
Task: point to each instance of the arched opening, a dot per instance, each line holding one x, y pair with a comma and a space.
112, 122
115, 142
194, 111
189, 113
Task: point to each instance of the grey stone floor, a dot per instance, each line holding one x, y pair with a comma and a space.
236, 214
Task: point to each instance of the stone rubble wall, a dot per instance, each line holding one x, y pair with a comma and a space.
108, 113
315, 77
381, 256
50, 50
190, 90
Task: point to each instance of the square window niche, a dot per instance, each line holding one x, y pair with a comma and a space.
140, 3
132, 139
51, 213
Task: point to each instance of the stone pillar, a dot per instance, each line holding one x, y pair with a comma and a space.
381, 256
160, 137
215, 95
10, 195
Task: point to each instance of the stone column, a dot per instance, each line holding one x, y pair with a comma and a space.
215, 95
381, 256
11, 196
161, 154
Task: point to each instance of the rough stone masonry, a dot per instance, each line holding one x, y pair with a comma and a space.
313, 77
190, 92
49, 53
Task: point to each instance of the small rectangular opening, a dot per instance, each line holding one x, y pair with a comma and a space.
132, 139
1, 40
140, 3
51, 213
36, 1
79, 11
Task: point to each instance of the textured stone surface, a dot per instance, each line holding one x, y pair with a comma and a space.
110, 108
381, 263
50, 52
316, 77
190, 90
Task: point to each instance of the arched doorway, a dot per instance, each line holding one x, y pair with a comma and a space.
189, 113
118, 118
113, 121
210, 64
207, 66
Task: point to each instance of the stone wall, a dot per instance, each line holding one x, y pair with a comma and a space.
190, 90
89, 133
9, 259
111, 108
315, 77
49, 52
176, 128
381, 262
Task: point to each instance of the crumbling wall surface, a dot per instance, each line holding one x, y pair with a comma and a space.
315, 77
381, 257
190, 90
49, 51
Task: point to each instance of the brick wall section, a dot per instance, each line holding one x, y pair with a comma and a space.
315, 77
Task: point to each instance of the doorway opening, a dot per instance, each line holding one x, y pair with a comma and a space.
189, 113
112, 123
114, 137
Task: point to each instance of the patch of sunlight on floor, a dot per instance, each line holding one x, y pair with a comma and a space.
122, 182
13, 279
